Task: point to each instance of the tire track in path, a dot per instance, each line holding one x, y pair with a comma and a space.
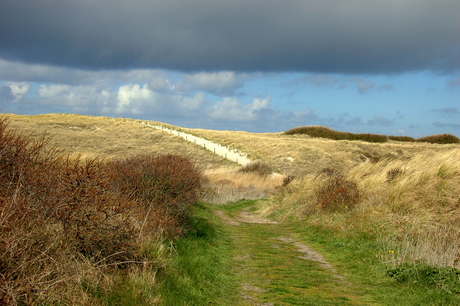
275, 266
232, 155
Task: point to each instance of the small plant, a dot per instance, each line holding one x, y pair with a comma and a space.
394, 173
446, 278
337, 193
258, 167
287, 180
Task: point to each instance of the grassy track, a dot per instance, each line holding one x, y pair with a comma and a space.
274, 266
237, 258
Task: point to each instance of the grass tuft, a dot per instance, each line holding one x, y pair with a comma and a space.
259, 167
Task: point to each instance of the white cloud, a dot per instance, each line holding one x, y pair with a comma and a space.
18, 90
193, 103
232, 109
132, 97
80, 99
51, 91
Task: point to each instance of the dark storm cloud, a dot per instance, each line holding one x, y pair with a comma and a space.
335, 36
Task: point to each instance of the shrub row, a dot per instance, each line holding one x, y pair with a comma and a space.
324, 132
59, 213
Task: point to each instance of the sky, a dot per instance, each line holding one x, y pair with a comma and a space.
387, 67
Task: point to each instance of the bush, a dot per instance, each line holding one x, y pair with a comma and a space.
165, 186
446, 278
324, 132
258, 167
58, 214
320, 131
440, 139
336, 193
402, 138
371, 137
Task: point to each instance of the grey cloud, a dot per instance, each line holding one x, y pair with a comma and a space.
364, 86
448, 111
448, 125
6, 95
336, 36
380, 121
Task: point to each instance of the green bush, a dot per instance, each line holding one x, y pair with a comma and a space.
446, 278
440, 139
324, 132
402, 138
320, 131
371, 137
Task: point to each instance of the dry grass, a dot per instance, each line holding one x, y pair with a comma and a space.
411, 206
409, 191
223, 185
110, 138
301, 155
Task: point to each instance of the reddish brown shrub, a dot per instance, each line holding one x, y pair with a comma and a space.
337, 193
55, 210
166, 186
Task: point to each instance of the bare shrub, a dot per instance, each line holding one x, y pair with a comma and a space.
258, 167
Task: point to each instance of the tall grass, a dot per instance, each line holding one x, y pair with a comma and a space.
411, 207
222, 186
70, 227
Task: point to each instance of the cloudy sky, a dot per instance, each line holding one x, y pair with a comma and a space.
390, 67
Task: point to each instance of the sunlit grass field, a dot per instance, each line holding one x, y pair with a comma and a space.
402, 196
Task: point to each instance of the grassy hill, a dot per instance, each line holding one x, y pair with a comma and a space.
400, 197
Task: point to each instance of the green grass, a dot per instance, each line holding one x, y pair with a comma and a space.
220, 263
359, 257
201, 273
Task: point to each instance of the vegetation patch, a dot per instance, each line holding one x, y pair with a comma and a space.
336, 193
66, 222
440, 139
258, 167
445, 278
324, 132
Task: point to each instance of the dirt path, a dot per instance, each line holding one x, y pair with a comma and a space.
233, 155
276, 267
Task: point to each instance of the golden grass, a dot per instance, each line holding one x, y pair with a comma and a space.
411, 190
110, 138
224, 185
300, 155
412, 206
